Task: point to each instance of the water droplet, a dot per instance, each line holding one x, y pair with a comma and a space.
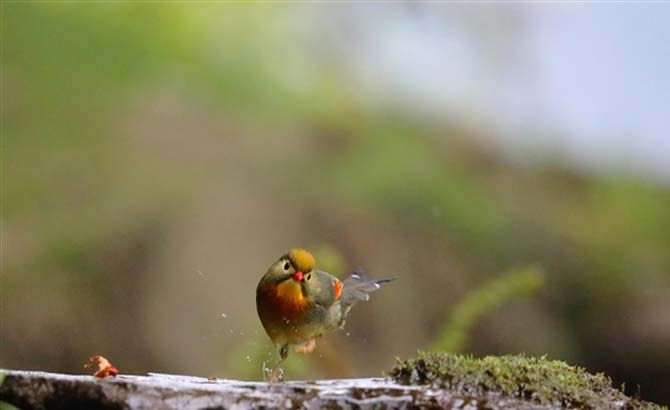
348, 333
248, 358
223, 315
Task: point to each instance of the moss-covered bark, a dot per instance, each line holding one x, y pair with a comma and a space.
546, 382
430, 381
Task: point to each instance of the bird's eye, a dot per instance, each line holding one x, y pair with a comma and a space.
286, 266
309, 276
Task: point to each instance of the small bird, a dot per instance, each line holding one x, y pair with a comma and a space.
298, 303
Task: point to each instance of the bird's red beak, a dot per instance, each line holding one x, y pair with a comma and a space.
298, 276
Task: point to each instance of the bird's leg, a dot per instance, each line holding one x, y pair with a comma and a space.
276, 375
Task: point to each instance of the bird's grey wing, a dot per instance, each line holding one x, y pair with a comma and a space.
326, 294
358, 286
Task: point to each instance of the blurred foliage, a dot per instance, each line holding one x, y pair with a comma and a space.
158, 159
5, 405
488, 297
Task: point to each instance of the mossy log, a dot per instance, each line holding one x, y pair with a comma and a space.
39, 390
429, 381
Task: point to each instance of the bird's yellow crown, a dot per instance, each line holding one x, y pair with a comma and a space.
301, 259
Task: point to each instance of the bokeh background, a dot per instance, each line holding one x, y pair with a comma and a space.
511, 163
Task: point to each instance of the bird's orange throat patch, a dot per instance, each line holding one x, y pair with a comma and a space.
290, 290
287, 298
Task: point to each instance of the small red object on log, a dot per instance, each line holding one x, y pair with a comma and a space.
105, 368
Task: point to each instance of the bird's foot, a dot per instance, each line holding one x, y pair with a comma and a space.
277, 375
307, 347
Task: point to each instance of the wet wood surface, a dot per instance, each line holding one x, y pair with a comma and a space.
40, 390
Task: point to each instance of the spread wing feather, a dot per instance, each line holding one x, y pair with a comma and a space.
358, 286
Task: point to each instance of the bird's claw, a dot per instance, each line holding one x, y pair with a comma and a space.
277, 375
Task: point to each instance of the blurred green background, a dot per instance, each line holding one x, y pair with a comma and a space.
157, 158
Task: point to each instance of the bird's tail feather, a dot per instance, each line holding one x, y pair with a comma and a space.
358, 286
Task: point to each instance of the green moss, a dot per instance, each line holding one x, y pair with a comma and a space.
540, 380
